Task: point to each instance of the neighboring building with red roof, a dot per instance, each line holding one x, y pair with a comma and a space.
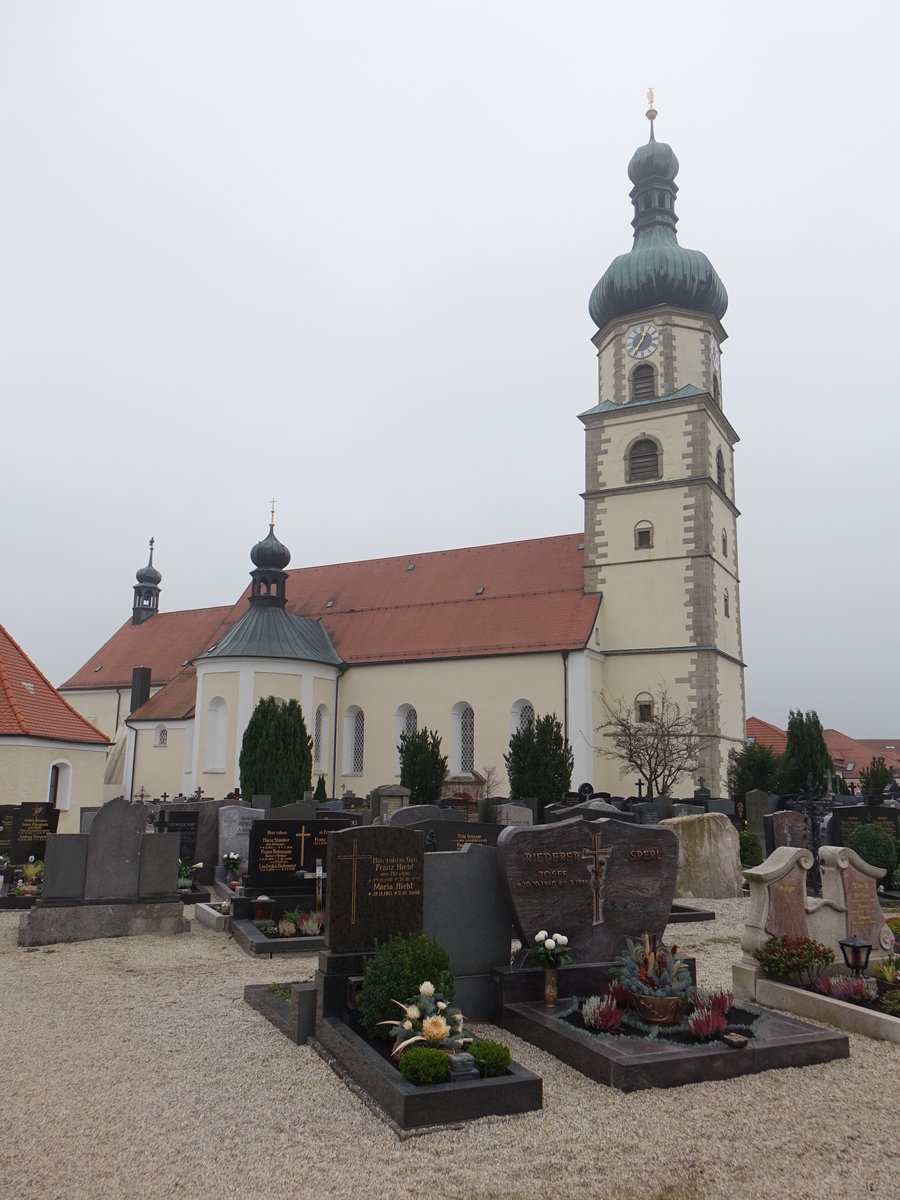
849, 755
471, 642
48, 751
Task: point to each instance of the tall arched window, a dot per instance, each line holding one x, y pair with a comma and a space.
643, 460
643, 382
60, 785
720, 470
643, 707
462, 742
717, 395
406, 721
519, 716
216, 734
724, 544
320, 737
354, 740
643, 535
726, 604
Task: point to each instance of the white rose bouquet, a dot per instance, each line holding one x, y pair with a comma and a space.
550, 949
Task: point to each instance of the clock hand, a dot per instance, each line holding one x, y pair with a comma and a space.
641, 342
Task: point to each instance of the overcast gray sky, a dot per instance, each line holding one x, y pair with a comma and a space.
341, 254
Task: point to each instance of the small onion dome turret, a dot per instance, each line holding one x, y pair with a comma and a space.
149, 576
656, 270
270, 554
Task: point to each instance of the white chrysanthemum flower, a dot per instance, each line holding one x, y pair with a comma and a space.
407, 1025
549, 944
435, 1029
542, 936
413, 1013
426, 989
442, 1004
561, 940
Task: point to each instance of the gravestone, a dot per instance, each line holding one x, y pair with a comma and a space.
846, 818
414, 814
114, 851
787, 828
585, 790
757, 802
65, 867
597, 882
264, 802
375, 886
6, 820
778, 904
740, 813
445, 836
158, 865
709, 861
648, 813
466, 909
722, 806
185, 823
31, 825
513, 814
688, 810
235, 823
301, 810
850, 884
86, 819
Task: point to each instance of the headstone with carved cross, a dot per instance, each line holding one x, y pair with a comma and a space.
375, 886
597, 882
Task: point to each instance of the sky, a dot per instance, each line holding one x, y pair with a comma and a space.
340, 255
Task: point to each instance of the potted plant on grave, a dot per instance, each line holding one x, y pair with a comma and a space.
887, 974
186, 875
33, 878
430, 1019
231, 861
799, 960
551, 953
659, 983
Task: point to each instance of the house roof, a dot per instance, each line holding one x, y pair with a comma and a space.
163, 643
267, 631
174, 702
31, 707
846, 751
510, 598
766, 734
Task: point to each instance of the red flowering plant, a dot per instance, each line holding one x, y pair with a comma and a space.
709, 1017
799, 959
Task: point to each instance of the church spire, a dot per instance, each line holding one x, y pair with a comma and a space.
269, 558
146, 591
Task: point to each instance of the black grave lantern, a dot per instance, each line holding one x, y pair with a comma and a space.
856, 954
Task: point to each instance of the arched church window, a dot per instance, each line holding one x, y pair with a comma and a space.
354, 740
216, 734
59, 785
521, 713
643, 382
643, 460
406, 721
161, 736
320, 735
643, 535
720, 470
462, 741
724, 544
643, 707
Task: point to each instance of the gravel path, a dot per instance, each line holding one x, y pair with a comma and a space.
132, 1068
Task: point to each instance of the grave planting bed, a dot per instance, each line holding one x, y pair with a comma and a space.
635, 1063
254, 941
295, 1018
411, 1107
855, 1018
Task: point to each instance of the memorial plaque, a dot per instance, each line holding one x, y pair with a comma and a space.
277, 851
375, 886
597, 882
31, 823
446, 836
846, 818
786, 915
184, 823
864, 916
6, 824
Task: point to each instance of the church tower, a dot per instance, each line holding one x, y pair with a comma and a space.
146, 592
660, 512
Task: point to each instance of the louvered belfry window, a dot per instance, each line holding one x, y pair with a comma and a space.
643, 383
643, 461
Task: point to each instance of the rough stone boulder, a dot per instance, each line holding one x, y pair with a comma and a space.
709, 859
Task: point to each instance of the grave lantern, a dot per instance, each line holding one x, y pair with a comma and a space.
856, 954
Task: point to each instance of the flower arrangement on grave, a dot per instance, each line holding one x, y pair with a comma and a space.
843, 987
550, 950
887, 973
709, 1016
33, 873
428, 1018
660, 984
186, 874
798, 959
603, 1013
231, 861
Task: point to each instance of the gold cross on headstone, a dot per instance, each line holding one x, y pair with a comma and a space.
355, 858
302, 836
597, 867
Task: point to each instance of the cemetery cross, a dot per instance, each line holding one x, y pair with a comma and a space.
597, 868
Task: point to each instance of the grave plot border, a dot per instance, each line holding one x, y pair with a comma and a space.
632, 1065
750, 982
684, 913
250, 939
205, 914
409, 1107
295, 1018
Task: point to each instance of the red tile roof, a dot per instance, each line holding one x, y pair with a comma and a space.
766, 734
845, 750
162, 643
31, 707
174, 702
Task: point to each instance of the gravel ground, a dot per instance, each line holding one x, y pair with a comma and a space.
132, 1068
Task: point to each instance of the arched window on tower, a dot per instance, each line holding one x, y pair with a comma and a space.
643, 382
643, 535
643, 460
720, 470
724, 544
726, 605
462, 741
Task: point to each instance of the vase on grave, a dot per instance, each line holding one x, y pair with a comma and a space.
550, 988
660, 1010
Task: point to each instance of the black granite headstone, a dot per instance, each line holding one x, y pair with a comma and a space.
846, 818
6, 824
453, 835
31, 823
375, 886
183, 822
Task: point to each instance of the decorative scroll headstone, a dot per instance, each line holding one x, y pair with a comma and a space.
598, 882
375, 886
851, 884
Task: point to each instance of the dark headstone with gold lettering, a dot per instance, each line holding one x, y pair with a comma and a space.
453, 835
31, 824
281, 850
846, 818
375, 886
597, 882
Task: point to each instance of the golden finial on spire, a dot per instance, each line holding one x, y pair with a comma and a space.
651, 111
272, 518
650, 96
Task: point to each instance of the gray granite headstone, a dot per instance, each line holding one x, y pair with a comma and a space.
263, 802
647, 813
723, 806
235, 823
158, 874
65, 866
597, 882
86, 819
114, 851
757, 802
787, 828
688, 810
375, 886
414, 814
445, 836
301, 810
467, 909
513, 814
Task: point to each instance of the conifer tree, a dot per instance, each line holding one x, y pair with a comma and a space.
321, 793
423, 768
276, 753
539, 762
804, 755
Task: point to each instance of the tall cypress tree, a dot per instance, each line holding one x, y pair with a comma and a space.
805, 754
276, 753
539, 762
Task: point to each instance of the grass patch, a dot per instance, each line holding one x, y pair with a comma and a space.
283, 989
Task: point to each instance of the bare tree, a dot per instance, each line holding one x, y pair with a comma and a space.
662, 748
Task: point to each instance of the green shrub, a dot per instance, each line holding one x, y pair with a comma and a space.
751, 849
394, 972
422, 1065
876, 847
890, 1002
799, 959
491, 1058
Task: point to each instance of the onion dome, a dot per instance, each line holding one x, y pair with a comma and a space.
656, 270
270, 554
149, 575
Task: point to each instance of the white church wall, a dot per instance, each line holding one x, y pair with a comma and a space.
25, 765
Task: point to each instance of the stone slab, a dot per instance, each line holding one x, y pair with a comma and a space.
411, 1107
249, 938
597, 882
206, 915
467, 910
114, 851
375, 886
82, 923
295, 1018
158, 874
65, 866
851, 1018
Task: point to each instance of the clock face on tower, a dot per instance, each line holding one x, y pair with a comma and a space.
642, 341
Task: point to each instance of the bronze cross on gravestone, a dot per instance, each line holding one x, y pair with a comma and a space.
302, 836
597, 860
355, 858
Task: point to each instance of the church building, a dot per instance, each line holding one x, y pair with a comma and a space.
472, 642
